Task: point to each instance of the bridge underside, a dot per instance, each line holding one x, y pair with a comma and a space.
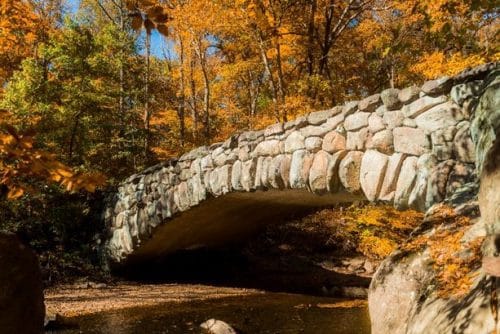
230, 219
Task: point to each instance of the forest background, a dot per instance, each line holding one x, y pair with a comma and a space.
88, 95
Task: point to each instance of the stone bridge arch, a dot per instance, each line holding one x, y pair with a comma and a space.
411, 148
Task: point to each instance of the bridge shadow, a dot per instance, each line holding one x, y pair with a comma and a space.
206, 245
231, 267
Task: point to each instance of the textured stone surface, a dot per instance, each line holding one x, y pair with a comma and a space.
373, 168
403, 296
461, 93
214, 326
370, 103
349, 170
334, 142
440, 117
393, 119
421, 105
409, 94
390, 98
268, 147
375, 123
406, 182
411, 141
356, 121
318, 180
382, 141
463, 147
319, 117
438, 86
313, 144
300, 162
357, 140
388, 188
294, 142
293, 155
418, 196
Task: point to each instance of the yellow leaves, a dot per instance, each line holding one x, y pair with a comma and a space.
376, 246
454, 260
435, 64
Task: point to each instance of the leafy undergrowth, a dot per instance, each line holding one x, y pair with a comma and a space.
64, 230
370, 230
454, 260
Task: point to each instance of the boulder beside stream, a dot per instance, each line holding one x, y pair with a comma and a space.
21, 291
404, 295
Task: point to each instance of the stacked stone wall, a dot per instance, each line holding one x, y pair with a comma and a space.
410, 147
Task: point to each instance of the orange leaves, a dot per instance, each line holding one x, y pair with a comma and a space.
435, 64
19, 29
21, 165
455, 260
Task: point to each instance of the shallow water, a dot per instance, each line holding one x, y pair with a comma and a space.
260, 313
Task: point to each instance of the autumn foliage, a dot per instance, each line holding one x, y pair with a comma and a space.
22, 163
100, 98
455, 260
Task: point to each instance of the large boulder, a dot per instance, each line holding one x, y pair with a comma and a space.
414, 289
21, 292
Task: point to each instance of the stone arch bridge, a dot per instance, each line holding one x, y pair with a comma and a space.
411, 148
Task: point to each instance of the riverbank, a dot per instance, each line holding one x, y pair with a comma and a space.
77, 300
180, 308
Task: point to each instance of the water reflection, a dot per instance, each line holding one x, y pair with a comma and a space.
264, 313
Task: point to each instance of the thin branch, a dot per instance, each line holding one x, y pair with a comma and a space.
105, 11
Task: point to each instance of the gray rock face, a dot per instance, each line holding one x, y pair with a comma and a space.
406, 182
370, 103
357, 140
390, 98
411, 141
394, 166
421, 105
463, 92
440, 117
294, 142
403, 295
356, 121
319, 117
375, 123
393, 119
21, 298
438, 86
463, 147
409, 94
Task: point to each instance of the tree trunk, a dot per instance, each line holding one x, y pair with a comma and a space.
182, 98
206, 90
269, 73
194, 102
147, 114
310, 37
281, 83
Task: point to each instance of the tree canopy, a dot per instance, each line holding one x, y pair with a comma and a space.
88, 87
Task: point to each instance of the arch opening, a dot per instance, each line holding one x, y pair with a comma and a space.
299, 243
